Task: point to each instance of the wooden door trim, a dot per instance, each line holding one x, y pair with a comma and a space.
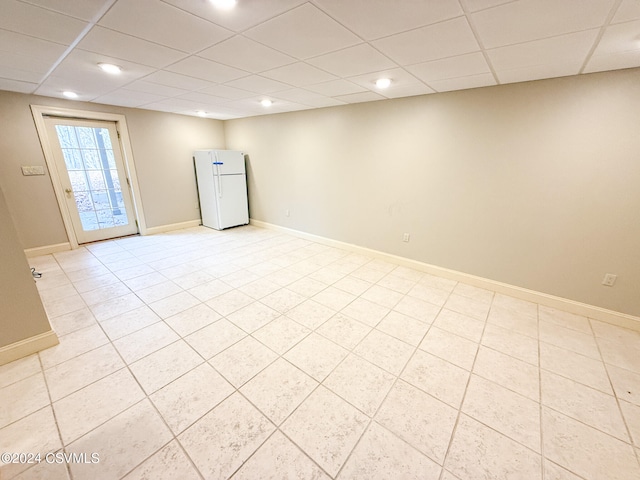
39, 112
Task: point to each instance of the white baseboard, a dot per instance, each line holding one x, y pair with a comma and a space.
571, 306
172, 226
47, 249
26, 347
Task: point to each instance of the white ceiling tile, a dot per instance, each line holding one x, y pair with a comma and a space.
206, 70
246, 13
539, 72
54, 86
40, 23
161, 107
628, 10
21, 62
246, 54
601, 63
399, 77
536, 19
30, 47
463, 83
85, 9
204, 99
155, 88
20, 74
303, 32
305, 97
408, 91
623, 37
299, 74
373, 19
335, 88
258, 84
446, 39
176, 80
128, 98
224, 91
475, 5
165, 24
120, 45
460, 66
354, 60
570, 48
360, 97
17, 86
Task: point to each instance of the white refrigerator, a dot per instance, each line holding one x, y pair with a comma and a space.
222, 188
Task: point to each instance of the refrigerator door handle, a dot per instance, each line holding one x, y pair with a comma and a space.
217, 163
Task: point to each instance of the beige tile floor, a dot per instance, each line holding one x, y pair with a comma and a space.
250, 354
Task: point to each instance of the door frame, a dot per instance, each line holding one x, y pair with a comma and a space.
39, 112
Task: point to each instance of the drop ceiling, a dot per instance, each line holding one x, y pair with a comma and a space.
186, 56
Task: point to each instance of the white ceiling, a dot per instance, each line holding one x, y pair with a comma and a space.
185, 56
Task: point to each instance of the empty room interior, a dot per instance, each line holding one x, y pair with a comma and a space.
432, 269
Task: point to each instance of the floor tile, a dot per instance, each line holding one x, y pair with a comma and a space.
35, 433
102, 294
631, 414
585, 370
360, 383
260, 288
517, 322
438, 282
403, 327
556, 472
193, 279
365, 311
44, 471
573, 340
282, 300
122, 443
586, 451
496, 456
214, 338
143, 342
419, 419
521, 307
278, 390
116, 306
437, 377
582, 403
80, 371
334, 298
471, 307
221, 441
507, 412
475, 293
613, 332
253, 316
281, 334
158, 291
72, 345
243, 360
398, 284
189, 397
64, 305
162, 367
352, 285
192, 319
625, 383
621, 353
385, 351
168, 464
429, 294
418, 309
19, 369
72, 322
380, 454
461, 325
311, 314
84, 410
511, 373
229, 302
344, 331
326, 428
316, 356
177, 303
382, 296
277, 459
129, 322
511, 343
450, 347
564, 319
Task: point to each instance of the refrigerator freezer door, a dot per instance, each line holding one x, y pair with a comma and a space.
228, 162
231, 193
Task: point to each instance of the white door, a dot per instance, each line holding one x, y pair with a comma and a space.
92, 174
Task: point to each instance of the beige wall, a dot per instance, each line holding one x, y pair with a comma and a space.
534, 184
162, 149
22, 315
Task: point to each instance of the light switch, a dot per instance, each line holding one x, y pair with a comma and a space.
32, 170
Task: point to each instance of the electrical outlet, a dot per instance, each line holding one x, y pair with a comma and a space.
405, 237
609, 279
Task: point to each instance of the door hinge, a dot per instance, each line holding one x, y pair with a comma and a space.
118, 132
137, 226
128, 182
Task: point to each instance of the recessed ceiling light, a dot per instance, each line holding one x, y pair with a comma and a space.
110, 68
266, 102
70, 94
224, 4
383, 82
200, 113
